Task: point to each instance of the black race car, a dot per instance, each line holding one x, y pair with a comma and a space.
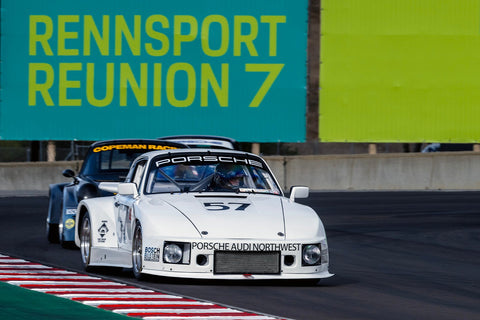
105, 161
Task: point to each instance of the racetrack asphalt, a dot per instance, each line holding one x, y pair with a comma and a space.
396, 255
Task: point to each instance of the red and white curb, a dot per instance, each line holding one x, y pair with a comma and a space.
114, 296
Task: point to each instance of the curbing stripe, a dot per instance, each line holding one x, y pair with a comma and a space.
113, 296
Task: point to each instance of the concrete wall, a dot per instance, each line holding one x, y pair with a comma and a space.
34, 176
402, 171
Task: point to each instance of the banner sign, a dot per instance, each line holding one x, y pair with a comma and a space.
108, 69
400, 71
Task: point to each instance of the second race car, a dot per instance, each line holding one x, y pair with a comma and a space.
105, 161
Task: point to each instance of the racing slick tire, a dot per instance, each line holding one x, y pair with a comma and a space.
137, 252
86, 241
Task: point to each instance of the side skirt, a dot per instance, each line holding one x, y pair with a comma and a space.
112, 257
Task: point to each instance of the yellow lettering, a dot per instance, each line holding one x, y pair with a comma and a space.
152, 33
191, 84
179, 37
134, 41
42, 39
42, 88
127, 78
157, 84
273, 21
205, 35
63, 35
273, 72
246, 39
65, 84
209, 78
90, 29
110, 75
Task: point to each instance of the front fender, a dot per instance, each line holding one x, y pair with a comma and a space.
102, 221
160, 218
70, 196
302, 222
55, 202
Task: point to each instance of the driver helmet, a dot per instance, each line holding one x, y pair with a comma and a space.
228, 176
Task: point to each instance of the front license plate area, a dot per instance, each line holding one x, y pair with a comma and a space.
246, 262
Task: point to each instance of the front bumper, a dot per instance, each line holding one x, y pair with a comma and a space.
201, 264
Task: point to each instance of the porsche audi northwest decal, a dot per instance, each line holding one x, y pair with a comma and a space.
113, 296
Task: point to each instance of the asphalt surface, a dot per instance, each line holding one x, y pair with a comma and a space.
396, 255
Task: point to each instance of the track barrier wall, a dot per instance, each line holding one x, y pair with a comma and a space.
399, 171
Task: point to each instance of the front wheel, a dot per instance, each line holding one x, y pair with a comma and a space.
137, 257
86, 241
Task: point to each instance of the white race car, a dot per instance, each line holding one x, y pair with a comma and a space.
207, 214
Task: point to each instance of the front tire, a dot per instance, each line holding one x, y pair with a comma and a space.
86, 241
137, 252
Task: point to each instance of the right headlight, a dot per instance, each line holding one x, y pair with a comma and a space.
311, 255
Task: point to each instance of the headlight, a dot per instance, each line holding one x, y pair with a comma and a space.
311, 255
176, 252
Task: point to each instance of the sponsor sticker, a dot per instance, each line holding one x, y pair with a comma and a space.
152, 254
208, 158
133, 147
102, 231
69, 223
246, 246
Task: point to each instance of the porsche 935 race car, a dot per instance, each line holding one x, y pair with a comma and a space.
207, 214
105, 161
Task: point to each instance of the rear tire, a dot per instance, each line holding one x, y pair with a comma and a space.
86, 241
137, 252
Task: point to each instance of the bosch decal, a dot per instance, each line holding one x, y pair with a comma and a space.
152, 254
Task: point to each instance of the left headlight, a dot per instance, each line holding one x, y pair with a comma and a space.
176, 252
311, 255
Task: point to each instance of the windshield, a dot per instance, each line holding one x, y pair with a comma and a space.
197, 176
110, 165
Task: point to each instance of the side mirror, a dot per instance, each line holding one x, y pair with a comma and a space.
111, 187
127, 189
68, 173
298, 192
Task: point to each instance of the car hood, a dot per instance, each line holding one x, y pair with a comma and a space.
242, 216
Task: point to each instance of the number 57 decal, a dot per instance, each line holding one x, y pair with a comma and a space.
219, 206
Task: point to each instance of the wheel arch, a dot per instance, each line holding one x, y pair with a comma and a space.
101, 219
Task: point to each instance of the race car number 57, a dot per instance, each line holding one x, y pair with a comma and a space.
220, 206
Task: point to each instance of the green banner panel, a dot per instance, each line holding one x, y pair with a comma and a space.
92, 70
400, 71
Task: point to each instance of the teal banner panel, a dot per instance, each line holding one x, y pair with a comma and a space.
93, 70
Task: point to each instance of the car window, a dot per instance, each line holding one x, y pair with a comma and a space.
200, 177
138, 172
